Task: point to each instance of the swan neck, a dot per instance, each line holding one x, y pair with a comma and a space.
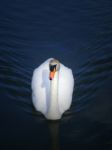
53, 109
54, 89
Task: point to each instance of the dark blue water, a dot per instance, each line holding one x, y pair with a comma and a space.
79, 34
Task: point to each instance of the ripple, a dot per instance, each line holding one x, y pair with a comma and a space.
16, 79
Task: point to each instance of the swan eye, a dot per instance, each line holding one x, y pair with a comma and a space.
52, 67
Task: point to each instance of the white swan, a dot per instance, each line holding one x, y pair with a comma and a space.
52, 88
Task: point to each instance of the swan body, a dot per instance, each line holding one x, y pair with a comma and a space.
52, 96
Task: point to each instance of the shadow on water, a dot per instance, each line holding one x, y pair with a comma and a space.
54, 127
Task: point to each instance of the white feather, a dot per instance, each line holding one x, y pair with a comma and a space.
41, 88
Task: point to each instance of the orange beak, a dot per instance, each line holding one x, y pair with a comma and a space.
51, 75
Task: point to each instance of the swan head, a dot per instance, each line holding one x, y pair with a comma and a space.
54, 66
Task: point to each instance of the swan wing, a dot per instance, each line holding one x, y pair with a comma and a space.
66, 85
40, 86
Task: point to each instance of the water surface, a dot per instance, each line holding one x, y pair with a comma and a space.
79, 34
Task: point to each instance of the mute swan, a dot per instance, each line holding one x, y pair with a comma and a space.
52, 89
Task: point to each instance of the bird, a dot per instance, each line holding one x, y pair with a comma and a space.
52, 89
